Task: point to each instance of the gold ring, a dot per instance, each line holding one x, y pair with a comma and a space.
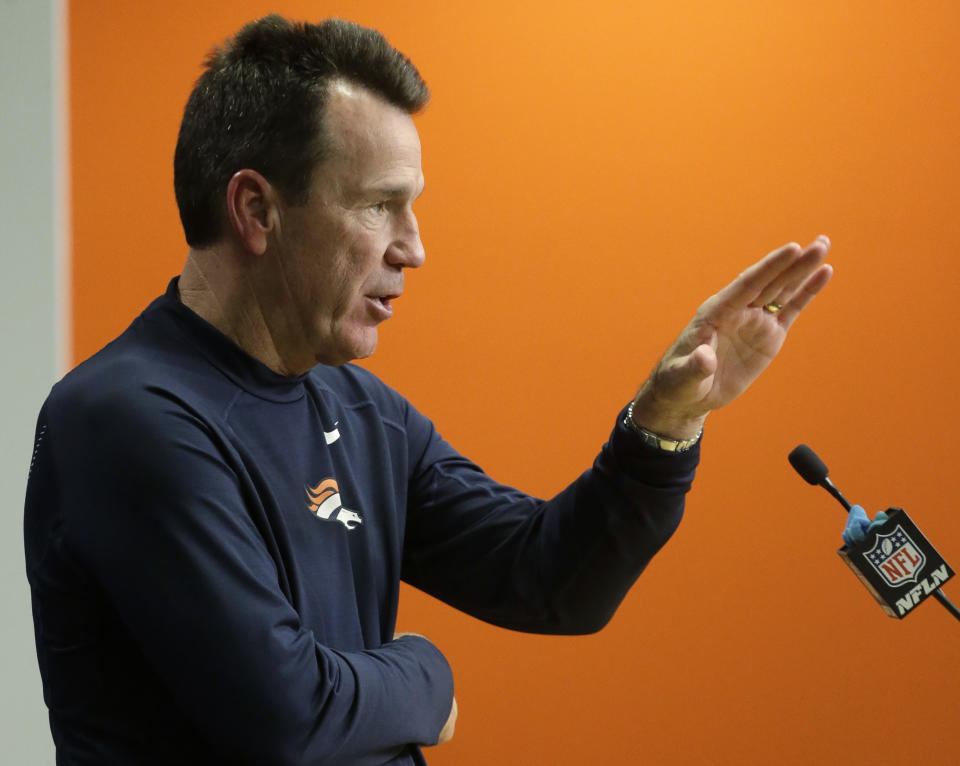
773, 307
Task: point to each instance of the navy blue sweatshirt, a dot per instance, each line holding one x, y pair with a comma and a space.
215, 550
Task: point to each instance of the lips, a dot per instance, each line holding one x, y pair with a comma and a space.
385, 298
382, 304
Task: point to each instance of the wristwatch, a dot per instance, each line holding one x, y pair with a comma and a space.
656, 440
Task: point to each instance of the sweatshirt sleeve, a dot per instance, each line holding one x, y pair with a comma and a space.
557, 566
154, 511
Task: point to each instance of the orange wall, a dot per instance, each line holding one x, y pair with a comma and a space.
594, 170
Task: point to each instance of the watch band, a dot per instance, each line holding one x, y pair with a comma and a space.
656, 440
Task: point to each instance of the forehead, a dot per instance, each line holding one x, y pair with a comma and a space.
368, 136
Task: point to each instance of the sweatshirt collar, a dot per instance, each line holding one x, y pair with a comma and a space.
245, 370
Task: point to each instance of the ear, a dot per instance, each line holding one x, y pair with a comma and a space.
251, 209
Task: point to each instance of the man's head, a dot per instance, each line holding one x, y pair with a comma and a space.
296, 171
261, 102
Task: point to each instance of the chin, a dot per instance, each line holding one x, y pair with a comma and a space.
345, 342
360, 346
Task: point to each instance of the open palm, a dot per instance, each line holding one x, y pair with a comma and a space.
732, 338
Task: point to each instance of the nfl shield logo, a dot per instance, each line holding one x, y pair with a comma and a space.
897, 560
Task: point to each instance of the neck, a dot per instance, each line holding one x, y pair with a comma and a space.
216, 286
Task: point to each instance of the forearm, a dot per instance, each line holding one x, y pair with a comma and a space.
557, 566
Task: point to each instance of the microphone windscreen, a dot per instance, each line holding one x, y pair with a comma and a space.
806, 463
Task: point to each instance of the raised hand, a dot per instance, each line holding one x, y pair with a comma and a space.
732, 338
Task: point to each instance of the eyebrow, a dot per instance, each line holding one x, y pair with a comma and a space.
391, 192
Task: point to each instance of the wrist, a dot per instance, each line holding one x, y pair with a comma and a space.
660, 441
651, 416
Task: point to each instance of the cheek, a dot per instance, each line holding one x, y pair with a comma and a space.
340, 289
341, 274
361, 262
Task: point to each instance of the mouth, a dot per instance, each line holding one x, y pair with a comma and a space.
383, 304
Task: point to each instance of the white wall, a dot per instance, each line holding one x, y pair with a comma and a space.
33, 273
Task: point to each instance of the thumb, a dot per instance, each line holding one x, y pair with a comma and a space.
679, 375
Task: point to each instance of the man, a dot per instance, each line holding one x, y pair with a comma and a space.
220, 507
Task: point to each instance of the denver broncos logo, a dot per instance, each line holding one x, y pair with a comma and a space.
323, 501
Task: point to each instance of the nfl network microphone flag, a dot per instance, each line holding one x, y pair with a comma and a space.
897, 564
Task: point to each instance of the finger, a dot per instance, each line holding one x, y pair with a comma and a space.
446, 734
783, 288
747, 287
807, 292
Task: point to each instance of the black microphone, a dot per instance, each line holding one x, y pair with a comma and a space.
895, 562
814, 471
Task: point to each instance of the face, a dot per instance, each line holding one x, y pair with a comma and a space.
341, 256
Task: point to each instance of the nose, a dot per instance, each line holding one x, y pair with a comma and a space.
406, 250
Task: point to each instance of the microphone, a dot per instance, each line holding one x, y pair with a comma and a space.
895, 562
814, 471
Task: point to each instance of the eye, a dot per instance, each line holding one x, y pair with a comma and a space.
380, 207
